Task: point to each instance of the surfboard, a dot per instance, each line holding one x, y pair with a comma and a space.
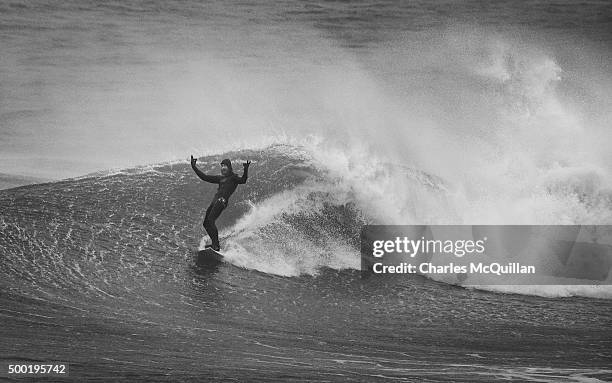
208, 255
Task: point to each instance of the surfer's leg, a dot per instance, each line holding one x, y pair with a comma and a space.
212, 214
207, 222
207, 214
206, 217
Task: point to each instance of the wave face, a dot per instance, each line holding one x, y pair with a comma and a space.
105, 266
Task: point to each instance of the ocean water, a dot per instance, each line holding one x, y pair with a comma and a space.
449, 112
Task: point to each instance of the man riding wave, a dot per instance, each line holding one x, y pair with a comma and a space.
228, 181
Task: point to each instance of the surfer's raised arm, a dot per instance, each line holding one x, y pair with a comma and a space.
245, 173
203, 177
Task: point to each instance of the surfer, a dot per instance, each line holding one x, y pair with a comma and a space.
228, 181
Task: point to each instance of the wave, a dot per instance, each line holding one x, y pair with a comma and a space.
297, 214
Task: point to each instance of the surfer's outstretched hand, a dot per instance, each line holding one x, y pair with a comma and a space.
193, 160
246, 164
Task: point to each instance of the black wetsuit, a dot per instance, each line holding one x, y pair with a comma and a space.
227, 186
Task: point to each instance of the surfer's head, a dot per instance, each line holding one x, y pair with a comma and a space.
226, 167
